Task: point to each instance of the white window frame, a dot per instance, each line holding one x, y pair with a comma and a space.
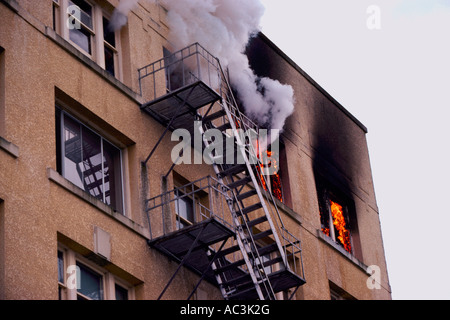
109, 280
98, 42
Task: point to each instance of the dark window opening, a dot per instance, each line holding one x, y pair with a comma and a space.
109, 37
55, 8
121, 293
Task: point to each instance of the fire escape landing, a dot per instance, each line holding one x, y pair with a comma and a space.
225, 228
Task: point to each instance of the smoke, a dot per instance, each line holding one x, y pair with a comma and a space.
120, 14
224, 28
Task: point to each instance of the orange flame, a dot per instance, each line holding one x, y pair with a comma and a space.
340, 225
326, 231
275, 179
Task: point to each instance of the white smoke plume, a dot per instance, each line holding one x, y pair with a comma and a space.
224, 28
120, 15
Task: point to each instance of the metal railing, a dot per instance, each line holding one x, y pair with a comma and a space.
179, 69
206, 198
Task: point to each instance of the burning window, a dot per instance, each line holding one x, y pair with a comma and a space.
271, 182
335, 219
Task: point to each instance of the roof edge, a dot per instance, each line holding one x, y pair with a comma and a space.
274, 47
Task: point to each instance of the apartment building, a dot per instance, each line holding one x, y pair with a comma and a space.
99, 201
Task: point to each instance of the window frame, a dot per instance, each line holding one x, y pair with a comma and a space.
98, 272
98, 42
90, 30
193, 201
60, 153
326, 196
267, 180
109, 280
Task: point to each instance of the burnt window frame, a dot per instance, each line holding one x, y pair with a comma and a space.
283, 175
327, 192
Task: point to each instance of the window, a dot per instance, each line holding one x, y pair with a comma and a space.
86, 25
184, 207
91, 284
80, 279
337, 217
110, 50
337, 293
272, 182
121, 292
89, 161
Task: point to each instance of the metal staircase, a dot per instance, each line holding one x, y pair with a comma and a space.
256, 264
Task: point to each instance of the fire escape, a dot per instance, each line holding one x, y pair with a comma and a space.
237, 239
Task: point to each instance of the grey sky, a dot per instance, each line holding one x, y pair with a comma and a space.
396, 81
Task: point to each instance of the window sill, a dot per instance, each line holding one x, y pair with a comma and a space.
341, 250
12, 4
55, 177
9, 147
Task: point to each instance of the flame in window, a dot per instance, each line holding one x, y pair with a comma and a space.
274, 179
343, 234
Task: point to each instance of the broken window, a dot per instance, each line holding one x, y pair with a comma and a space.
272, 182
335, 220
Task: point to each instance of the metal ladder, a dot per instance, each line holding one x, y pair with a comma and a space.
255, 282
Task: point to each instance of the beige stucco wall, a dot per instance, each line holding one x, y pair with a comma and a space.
40, 210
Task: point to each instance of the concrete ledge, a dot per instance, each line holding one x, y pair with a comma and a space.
55, 177
341, 250
9, 147
289, 211
12, 4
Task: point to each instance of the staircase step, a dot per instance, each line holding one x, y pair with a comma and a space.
214, 116
230, 266
268, 249
239, 183
244, 294
224, 127
246, 195
232, 170
239, 281
262, 235
252, 208
255, 222
272, 261
228, 251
